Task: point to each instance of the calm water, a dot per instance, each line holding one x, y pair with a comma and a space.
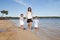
49, 28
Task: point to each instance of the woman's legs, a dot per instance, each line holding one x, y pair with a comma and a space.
30, 25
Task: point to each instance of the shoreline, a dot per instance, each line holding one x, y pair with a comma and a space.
7, 18
14, 33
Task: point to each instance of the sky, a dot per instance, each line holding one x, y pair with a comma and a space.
39, 7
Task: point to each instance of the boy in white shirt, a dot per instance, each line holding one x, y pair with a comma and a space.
36, 21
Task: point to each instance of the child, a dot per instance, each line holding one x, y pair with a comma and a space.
21, 21
36, 24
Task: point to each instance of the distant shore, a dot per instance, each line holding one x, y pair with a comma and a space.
33, 17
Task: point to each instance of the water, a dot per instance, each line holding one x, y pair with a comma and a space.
49, 28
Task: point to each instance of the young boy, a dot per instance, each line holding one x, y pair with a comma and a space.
21, 21
36, 24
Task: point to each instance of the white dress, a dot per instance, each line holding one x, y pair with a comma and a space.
36, 21
21, 21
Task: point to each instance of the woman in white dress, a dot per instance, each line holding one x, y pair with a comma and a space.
21, 21
29, 18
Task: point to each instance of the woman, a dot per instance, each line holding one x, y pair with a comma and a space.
29, 18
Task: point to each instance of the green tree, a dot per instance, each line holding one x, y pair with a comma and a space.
4, 12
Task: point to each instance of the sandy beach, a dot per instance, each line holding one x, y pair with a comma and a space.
8, 31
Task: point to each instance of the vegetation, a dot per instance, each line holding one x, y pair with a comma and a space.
4, 12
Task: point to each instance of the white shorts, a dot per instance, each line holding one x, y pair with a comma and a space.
21, 22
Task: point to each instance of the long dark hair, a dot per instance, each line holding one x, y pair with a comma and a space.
29, 9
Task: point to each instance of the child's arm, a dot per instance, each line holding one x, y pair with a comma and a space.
33, 22
19, 18
38, 22
32, 16
26, 15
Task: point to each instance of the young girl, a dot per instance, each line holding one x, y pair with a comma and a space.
21, 21
29, 18
36, 21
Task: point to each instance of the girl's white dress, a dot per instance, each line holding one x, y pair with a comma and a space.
36, 21
21, 21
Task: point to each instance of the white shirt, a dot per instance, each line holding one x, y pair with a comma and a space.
29, 15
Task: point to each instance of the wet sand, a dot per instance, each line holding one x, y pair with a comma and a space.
8, 31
